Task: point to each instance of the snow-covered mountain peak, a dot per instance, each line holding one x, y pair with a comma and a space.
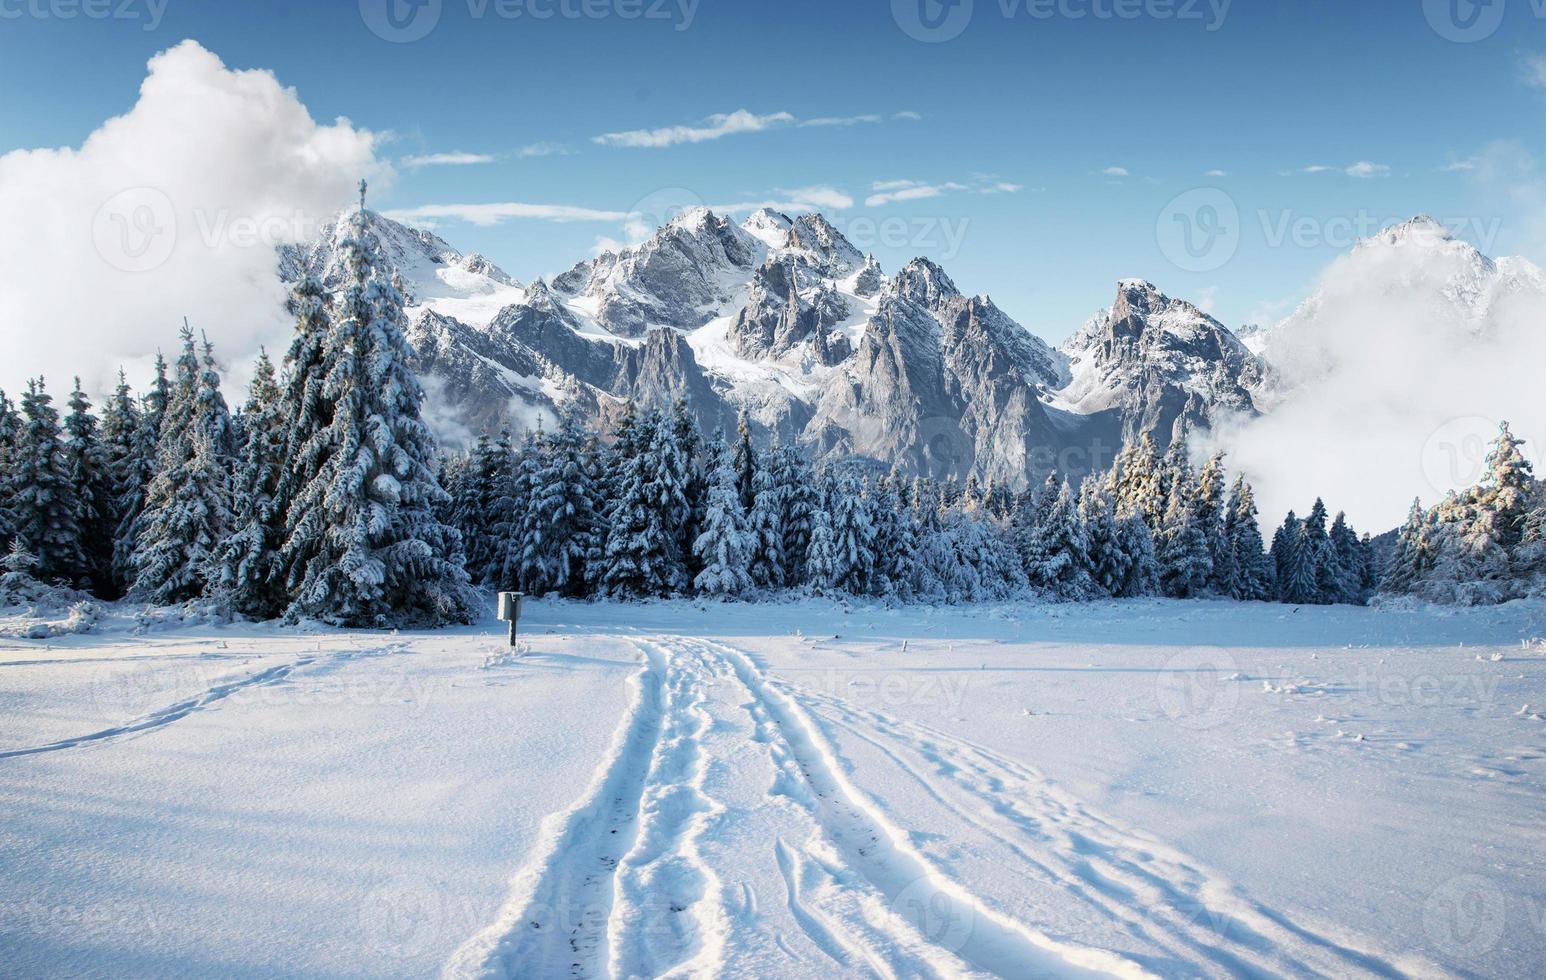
769, 227
923, 282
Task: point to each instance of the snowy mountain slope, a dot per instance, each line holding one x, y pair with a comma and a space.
1418, 262
785, 319
1160, 364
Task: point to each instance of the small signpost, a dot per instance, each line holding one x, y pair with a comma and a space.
510, 610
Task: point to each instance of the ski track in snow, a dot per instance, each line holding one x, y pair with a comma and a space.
1149, 889
721, 771
210, 696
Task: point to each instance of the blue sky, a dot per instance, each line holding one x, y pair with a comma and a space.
1041, 155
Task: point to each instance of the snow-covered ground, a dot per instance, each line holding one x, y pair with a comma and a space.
1166, 788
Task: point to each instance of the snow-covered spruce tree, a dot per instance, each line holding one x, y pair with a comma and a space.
365, 547
821, 559
1293, 565
1143, 573
725, 545
854, 534
1212, 507
249, 557
1056, 559
187, 512
139, 468
482, 508
564, 511
308, 414
86, 462
637, 562
1186, 564
765, 525
1315, 543
671, 453
1506, 495
10, 430
1109, 563
1345, 573
1143, 490
1251, 572
745, 461
801, 498
43, 499
128, 470
695, 483
896, 540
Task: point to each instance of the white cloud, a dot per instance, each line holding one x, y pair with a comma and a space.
488, 215
715, 127
1533, 70
193, 185
907, 115
446, 160
1376, 379
841, 120
885, 192
1116, 172
544, 149
1207, 299
732, 123
1216, 173
1364, 169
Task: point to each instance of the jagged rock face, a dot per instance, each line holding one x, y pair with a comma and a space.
942, 384
675, 279
777, 318
870, 279
784, 318
1162, 365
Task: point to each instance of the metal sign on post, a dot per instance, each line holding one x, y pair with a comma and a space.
510, 610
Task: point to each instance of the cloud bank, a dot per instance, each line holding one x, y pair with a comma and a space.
1395, 375
170, 210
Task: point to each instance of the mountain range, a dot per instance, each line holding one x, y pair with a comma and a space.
783, 318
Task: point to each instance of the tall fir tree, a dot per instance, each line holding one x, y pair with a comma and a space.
745, 461
249, 558
96, 516
128, 469
1186, 564
10, 432
637, 560
44, 504
187, 513
1410, 560
765, 525
853, 533
139, 471
725, 545
1252, 576
800, 495
366, 547
564, 507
